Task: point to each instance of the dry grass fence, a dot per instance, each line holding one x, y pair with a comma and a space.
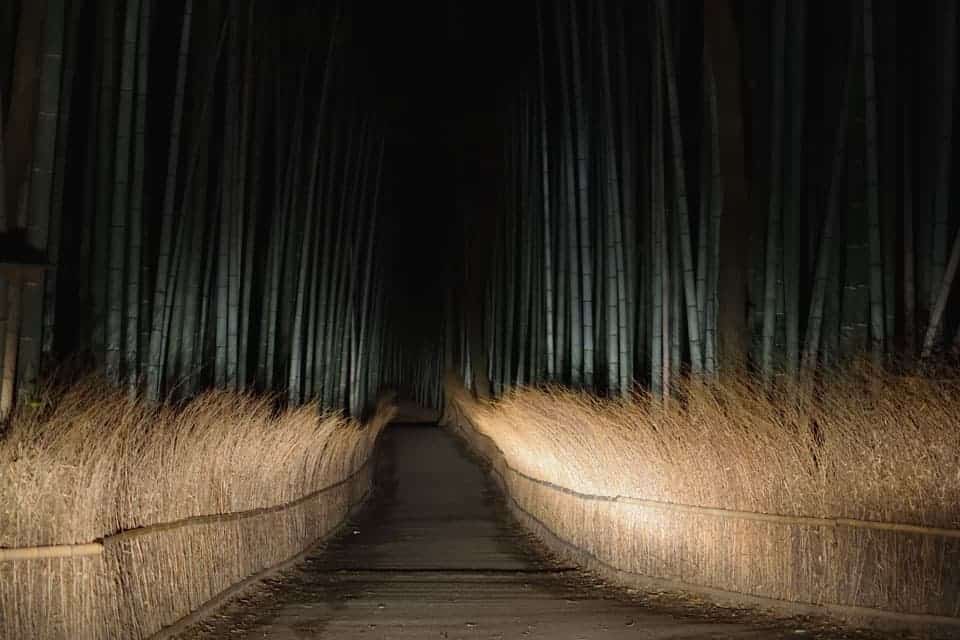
117, 518
845, 496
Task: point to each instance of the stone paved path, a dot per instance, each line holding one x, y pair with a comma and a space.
435, 555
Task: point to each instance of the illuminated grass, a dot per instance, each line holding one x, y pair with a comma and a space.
95, 462
862, 445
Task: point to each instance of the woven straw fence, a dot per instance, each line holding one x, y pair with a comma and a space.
137, 583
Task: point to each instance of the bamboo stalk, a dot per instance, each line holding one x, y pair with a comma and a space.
890, 155
674, 287
60, 168
40, 186
569, 206
580, 119
204, 365
265, 360
335, 318
88, 209
366, 235
11, 343
716, 214
254, 110
493, 305
877, 319
171, 251
909, 260
227, 212
948, 21
628, 183
233, 195
283, 257
774, 214
794, 209
617, 381
45, 128
312, 352
313, 286
19, 132
827, 248
136, 214
296, 373
679, 183
106, 128
545, 200
940, 305
324, 302
191, 354
120, 216
161, 285
659, 373
703, 227
365, 313
510, 233
351, 379
524, 204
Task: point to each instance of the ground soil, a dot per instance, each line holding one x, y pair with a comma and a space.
435, 554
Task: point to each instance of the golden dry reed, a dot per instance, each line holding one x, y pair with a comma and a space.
93, 462
860, 444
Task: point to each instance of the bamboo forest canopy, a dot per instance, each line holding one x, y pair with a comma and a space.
325, 199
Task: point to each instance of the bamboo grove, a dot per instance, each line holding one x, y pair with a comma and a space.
190, 198
696, 184
192, 195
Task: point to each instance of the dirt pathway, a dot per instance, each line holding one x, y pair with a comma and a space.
435, 555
